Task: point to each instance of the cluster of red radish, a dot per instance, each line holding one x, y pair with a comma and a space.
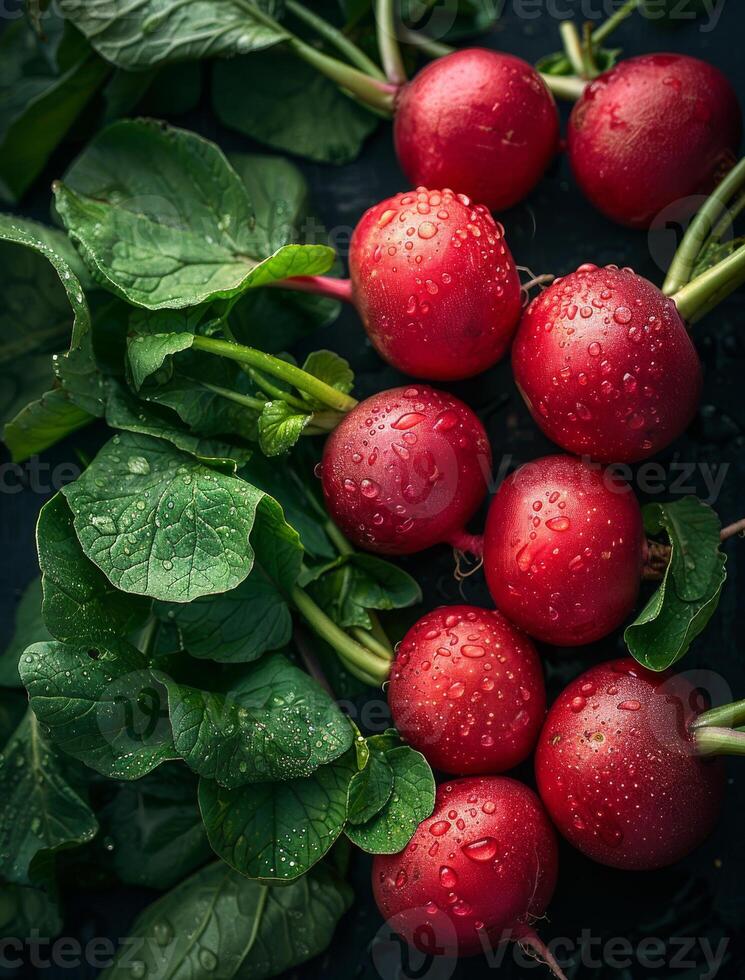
605, 363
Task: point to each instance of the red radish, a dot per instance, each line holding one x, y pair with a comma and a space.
651, 132
618, 769
435, 284
467, 690
476, 874
606, 365
564, 550
406, 469
480, 121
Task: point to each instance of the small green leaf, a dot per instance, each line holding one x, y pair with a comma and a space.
29, 628
370, 789
693, 528
273, 723
43, 423
713, 253
41, 812
156, 829
220, 924
277, 831
159, 523
153, 32
332, 369
280, 427
292, 107
147, 352
361, 583
80, 604
412, 800
131, 204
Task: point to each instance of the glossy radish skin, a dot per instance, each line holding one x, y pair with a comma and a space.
406, 469
483, 864
467, 690
480, 121
606, 366
564, 549
617, 770
650, 133
435, 284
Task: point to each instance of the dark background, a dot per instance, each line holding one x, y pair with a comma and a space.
555, 230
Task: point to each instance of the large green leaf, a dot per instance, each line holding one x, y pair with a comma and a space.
412, 800
44, 84
151, 32
41, 812
273, 723
80, 604
29, 628
154, 829
219, 924
100, 704
166, 222
277, 831
292, 107
159, 523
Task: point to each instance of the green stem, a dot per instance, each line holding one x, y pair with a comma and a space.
255, 404
366, 638
337, 538
273, 392
418, 39
337, 38
573, 46
719, 741
277, 368
354, 655
701, 228
605, 30
712, 287
568, 87
728, 716
390, 52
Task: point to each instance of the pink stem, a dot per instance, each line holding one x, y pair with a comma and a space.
729, 532
526, 936
319, 286
469, 544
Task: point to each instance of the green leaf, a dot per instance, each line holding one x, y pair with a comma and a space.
713, 253
689, 594
411, 801
273, 723
23, 909
100, 704
360, 583
155, 828
166, 222
153, 32
41, 812
43, 423
147, 353
124, 411
218, 923
279, 195
292, 107
80, 604
45, 83
277, 831
240, 625
666, 627
332, 369
159, 523
29, 628
280, 427
370, 789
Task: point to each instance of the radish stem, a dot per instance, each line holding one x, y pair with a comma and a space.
699, 297
564, 66
701, 228
719, 741
337, 38
573, 47
277, 368
469, 544
340, 289
390, 52
568, 87
732, 530
728, 715
427, 44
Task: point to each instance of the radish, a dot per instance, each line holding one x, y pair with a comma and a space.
476, 874
651, 133
434, 283
466, 690
406, 469
621, 769
564, 549
606, 366
603, 357
481, 121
